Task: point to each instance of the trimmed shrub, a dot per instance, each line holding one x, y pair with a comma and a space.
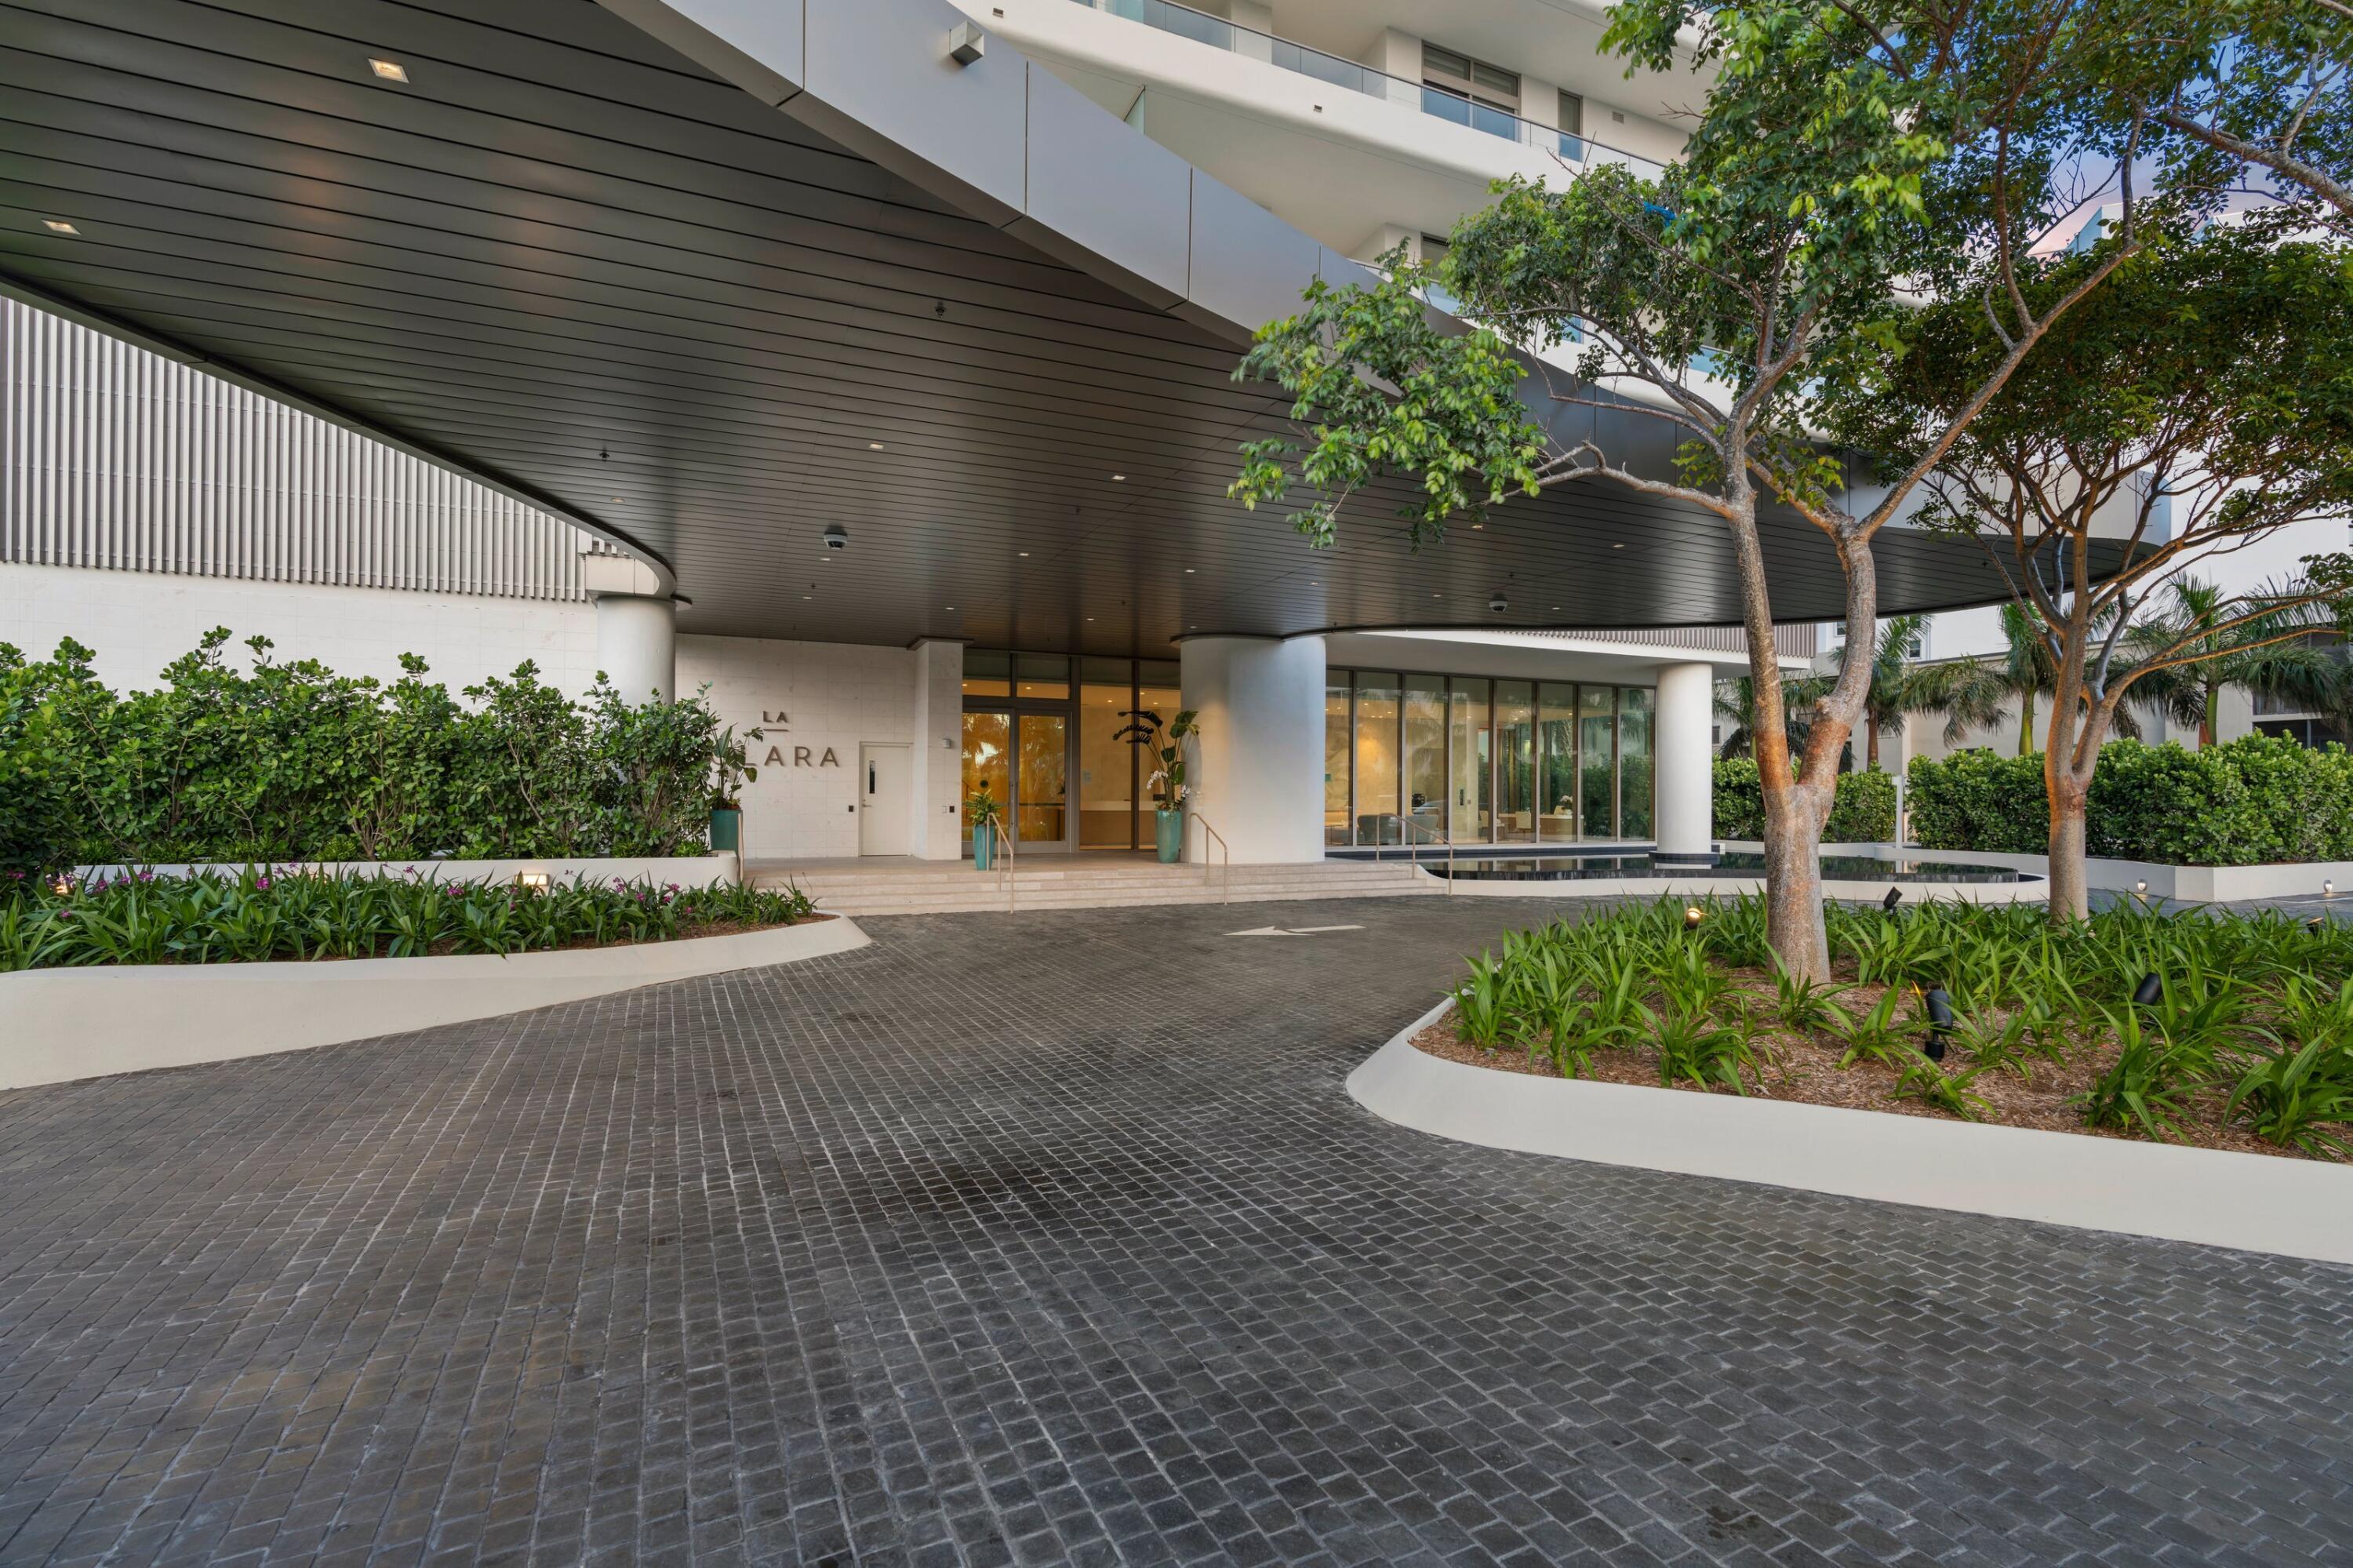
291, 762
2259, 801
1978, 800
1863, 811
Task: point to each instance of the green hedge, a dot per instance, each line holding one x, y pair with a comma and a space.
2259, 801
1863, 812
290, 761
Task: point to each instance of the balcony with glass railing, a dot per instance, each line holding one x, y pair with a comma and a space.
1183, 22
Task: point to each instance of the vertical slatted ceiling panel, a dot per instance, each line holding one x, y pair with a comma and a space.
114, 457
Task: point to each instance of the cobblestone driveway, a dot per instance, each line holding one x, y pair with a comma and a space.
1054, 1239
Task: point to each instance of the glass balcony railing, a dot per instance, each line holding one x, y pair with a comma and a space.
1219, 33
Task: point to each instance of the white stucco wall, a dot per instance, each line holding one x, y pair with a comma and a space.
139, 621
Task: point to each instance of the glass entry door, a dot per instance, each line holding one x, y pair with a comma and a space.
1041, 785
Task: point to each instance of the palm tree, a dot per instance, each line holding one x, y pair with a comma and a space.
1736, 705
1967, 694
2302, 674
2029, 669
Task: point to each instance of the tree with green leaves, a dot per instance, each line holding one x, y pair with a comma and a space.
2212, 87
1853, 159
2199, 400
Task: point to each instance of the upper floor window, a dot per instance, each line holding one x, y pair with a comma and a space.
1459, 76
1572, 113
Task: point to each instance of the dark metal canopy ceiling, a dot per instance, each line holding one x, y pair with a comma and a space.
566, 258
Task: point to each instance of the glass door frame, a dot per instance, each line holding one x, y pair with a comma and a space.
1065, 709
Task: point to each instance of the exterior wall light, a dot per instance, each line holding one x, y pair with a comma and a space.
966, 43
532, 881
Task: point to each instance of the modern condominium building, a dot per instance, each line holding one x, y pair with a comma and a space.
869, 361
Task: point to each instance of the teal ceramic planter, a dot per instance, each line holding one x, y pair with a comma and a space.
726, 829
984, 850
1170, 828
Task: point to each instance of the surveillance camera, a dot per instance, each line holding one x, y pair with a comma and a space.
1499, 604
836, 536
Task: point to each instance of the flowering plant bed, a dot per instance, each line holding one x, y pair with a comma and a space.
2193, 1028
259, 916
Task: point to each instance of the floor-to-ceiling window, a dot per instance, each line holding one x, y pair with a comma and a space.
1470, 762
1107, 761
1339, 749
1596, 759
1407, 758
1556, 769
1635, 705
1516, 755
1377, 759
1425, 758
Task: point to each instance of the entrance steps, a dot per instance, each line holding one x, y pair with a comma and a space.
940, 888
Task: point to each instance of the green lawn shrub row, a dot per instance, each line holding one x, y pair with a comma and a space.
259, 915
2259, 801
288, 762
1863, 812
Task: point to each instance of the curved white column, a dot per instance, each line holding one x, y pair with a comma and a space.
637, 645
1258, 770
1686, 762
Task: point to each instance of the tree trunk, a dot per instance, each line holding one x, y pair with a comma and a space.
2071, 896
2211, 721
1871, 747
2025, 723
1794, 815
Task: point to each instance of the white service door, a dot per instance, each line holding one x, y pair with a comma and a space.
883, 800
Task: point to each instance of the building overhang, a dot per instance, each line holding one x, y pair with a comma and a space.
712, 276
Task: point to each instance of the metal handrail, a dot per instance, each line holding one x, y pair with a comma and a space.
1226, 881
1012, 886
1406, 823
1218, 33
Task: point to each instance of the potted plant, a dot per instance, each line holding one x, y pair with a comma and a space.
1169, 789
729, 772
981, 815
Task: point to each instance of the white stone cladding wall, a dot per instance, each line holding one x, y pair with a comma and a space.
812, 700
832, 696
139, 621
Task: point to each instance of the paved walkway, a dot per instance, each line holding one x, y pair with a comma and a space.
1054, 1239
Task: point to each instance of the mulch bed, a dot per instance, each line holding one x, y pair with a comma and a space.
1803, 1068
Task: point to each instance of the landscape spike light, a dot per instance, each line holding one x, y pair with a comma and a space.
1940, 1022
1693, 916
2315, 924
2151, 987
1894, 896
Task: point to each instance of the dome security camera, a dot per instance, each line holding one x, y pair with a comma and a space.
1499, 604
836, 536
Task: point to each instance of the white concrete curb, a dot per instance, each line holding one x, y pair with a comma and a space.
2255, 1202
69, 1023
2034, 892
2179, 883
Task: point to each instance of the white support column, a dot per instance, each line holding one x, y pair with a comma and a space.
636, 646
637, 626
1687, 764
1257, 765
938, 734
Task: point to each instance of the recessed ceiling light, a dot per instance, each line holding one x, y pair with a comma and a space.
390, 70
616, 498
874, 446
58, 226
1119, 479
1188, 571
808, 596
1025, 555
1617, 546
1476, 526
951, 607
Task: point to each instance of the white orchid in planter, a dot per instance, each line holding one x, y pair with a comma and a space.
1167, 782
